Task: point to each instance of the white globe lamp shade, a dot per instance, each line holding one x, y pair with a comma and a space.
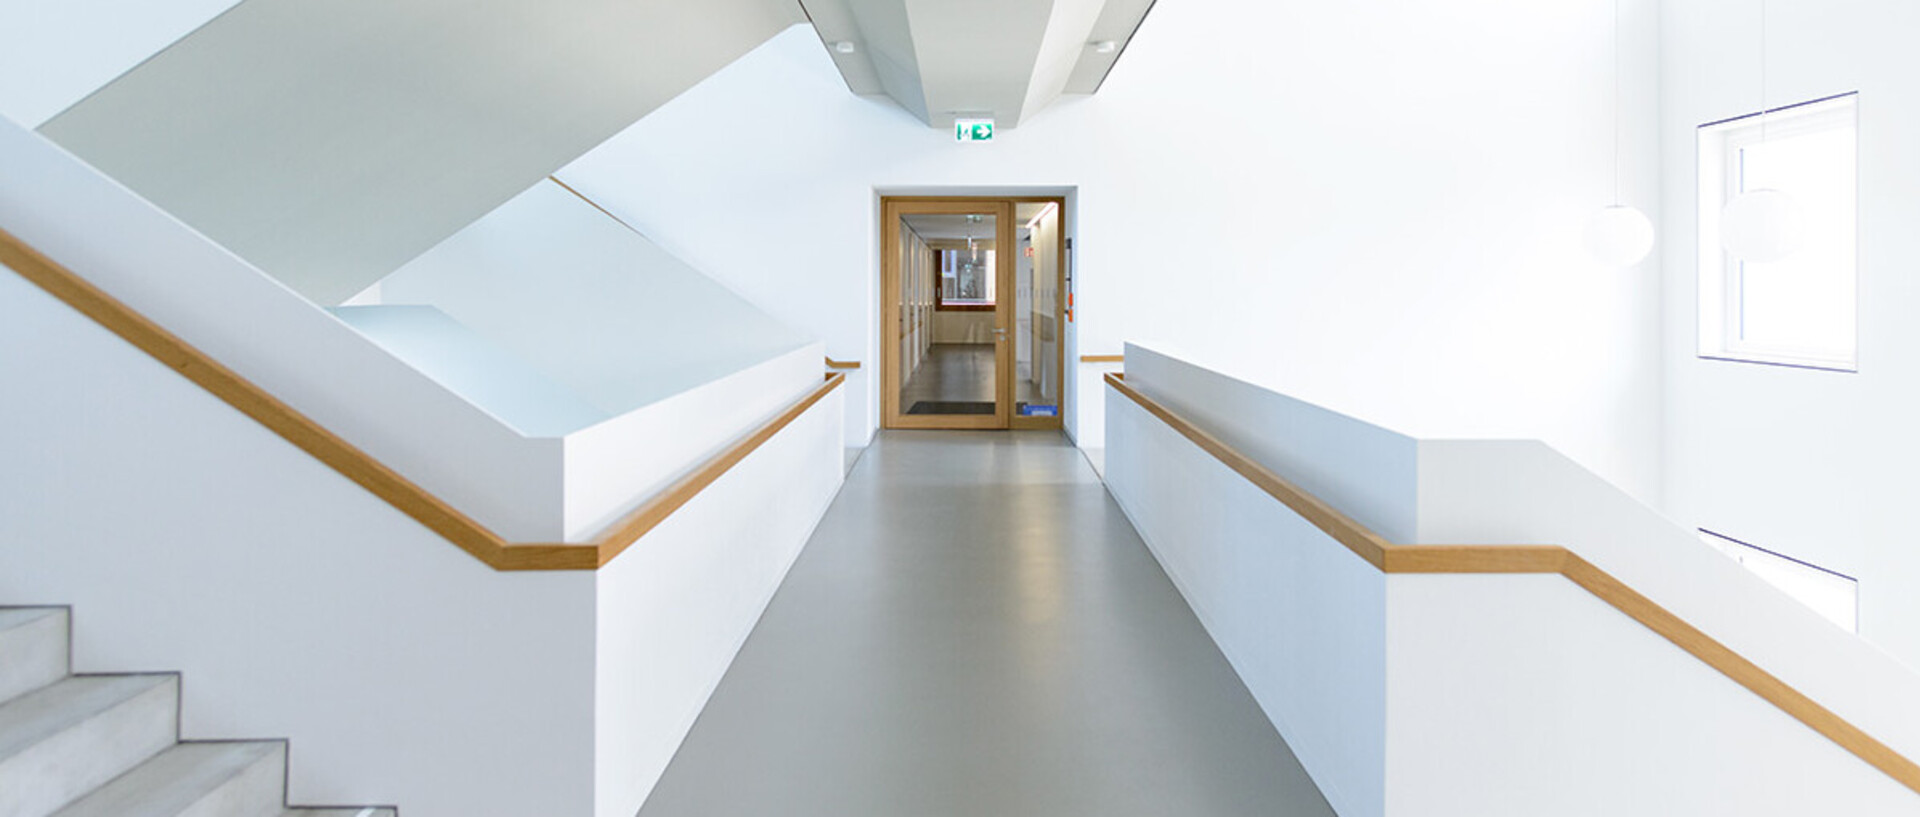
1761, 225
1619, 236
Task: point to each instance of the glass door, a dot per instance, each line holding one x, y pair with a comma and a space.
949, 297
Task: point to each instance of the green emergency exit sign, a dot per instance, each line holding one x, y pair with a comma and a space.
973, 130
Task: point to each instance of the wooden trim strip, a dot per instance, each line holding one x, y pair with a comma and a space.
1743, 672
1103, 358
354, 464
842, 364
1364, 543
655, 510
1538, 559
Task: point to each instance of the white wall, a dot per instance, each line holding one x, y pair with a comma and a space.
280, 341
1301, 619
1375, 205
1522, 492
1518, 696
493, 378
187, 537
460, 445
613, 466
1812, 464
675, 609
54, 54
328, 144
1505, 695
594, 305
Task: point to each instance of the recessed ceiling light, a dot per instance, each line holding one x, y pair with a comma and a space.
1104, 46
843, 47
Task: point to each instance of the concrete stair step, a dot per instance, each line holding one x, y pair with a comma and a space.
33, 649
210, 779
66, 739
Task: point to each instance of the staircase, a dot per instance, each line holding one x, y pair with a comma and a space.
109, 745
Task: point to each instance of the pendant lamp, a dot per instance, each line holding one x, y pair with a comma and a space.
1763, 224
1618, 235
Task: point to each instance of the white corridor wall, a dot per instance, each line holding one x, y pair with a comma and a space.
1816, 465
187, 537
1375, 205
1488, 695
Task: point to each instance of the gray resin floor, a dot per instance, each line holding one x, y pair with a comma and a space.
975, 629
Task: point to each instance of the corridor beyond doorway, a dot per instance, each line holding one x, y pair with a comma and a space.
957, 378
974, 319
975, 629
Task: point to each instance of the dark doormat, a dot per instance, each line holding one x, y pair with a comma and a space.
951, 407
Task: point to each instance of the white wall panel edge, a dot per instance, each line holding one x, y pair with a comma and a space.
1516, 696
677, 607
1524, 492
280, 341
296, 605
1286, 634
617, 464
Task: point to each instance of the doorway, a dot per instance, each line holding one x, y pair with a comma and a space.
972, 314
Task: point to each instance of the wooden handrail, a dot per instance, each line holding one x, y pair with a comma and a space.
1103, 358
1393, 558
842, 364
357, 465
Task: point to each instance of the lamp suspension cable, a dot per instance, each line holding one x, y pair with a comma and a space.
1615, 45
1763, 72
1759, 224
1618, 235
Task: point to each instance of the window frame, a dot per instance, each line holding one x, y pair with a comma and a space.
1720, 275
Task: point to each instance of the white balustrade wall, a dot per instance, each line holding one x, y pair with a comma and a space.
188, 537
1412, 694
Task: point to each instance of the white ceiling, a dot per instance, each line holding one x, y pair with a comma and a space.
1004, 59
949, 227
954, 226
329, 143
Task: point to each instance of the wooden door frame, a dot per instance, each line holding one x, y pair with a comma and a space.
892, 208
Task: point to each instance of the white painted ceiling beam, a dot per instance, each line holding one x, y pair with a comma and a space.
329, 143
1004, 59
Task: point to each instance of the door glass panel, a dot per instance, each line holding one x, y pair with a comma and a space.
1036, 330
949, 291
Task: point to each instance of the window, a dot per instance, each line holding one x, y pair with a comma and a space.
967, 278
1800, 310
1834, 596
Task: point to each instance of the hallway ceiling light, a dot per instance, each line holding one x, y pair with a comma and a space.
1763, 224
1105, 46
1619, 235
843, 47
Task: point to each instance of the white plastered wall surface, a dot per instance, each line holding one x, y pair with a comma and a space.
1465, 694
1817, 465
1376, 205
281, 126
55, 54
189, 538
